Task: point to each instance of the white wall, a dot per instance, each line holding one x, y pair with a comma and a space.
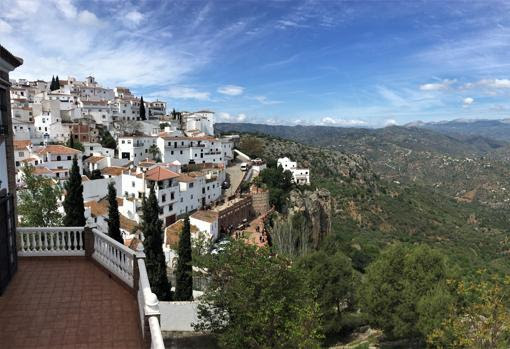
98, 188
178, 316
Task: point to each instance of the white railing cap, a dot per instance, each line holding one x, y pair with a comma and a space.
117, 244
47, 229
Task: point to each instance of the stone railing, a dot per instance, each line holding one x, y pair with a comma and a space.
114, 256
149, 307
53, 241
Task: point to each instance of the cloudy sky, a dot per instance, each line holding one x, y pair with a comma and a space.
339, 63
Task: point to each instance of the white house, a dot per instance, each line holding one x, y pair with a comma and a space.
135, 148
300, 176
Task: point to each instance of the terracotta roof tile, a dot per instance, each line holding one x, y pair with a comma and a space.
57, 149
160, 173
21, 145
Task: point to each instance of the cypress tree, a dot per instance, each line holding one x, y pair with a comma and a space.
113, 214
183, 274
57, 83
153, 247
142, 110
73, 202
52, 84
70, 143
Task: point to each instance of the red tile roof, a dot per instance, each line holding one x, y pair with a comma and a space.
160, 173
57, 149
21, 145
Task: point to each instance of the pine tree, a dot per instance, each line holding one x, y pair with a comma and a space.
183, 274
52, 84
153, 248
73, 202
142, 110
113, 214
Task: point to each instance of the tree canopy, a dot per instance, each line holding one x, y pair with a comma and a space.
183, 276
398, 285
279, 183
257, 300
113, 214
73, 202
38, 200
153, 247
74, 143
142, 110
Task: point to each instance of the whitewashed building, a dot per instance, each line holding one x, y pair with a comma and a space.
300, 176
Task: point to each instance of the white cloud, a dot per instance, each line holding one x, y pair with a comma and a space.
489, 83
329, 121
437, 86
87, 17
182, 92
134, 17
231, 90
468, 101
390, 122
264, 100
67, 8
79, 47
241, 117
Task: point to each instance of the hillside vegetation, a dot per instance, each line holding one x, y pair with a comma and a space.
466, 168
370, 212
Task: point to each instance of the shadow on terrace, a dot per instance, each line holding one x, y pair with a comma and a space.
77, 287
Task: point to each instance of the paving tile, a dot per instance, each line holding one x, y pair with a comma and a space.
67, 303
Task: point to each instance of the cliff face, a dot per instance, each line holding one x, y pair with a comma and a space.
316, 207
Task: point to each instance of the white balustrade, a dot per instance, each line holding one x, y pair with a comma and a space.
148, 306
114, 256
51, 241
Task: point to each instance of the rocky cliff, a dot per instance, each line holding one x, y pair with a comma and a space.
316, 207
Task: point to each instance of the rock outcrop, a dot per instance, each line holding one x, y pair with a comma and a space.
316, 207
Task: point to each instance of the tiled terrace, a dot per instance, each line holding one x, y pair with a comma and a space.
67, 302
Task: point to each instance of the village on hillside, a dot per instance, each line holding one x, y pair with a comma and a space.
119, 138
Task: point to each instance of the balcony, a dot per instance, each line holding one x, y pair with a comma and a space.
78, 287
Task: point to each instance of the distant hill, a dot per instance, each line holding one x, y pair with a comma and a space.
465, 167
495, 129
370, 212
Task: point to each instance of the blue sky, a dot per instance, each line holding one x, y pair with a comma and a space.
340, 63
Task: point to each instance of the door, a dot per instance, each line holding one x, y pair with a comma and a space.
169, 220
8, 255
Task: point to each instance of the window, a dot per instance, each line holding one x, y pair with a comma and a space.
191, 185
133, 184
163, 198
69, 157
17, 163
172, 196
59, 158
21, 154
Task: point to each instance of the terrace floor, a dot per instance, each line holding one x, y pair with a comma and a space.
68, 302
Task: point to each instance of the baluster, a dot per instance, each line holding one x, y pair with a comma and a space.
39, 241
79, 240
75, 242
32, 242
22, 240
61, 241
44, 246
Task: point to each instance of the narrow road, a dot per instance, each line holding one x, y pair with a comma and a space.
236, 176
